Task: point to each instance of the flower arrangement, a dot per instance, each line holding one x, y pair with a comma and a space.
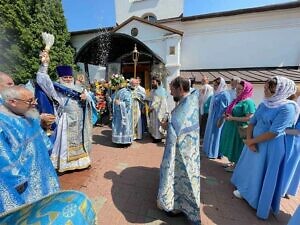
100, 91
117, 81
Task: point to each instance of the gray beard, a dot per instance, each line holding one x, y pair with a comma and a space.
68, 85
72, 86
32, 114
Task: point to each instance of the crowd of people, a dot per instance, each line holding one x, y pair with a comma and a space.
260, 142
48, 131
134, 113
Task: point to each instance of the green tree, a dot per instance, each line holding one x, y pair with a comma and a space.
21, 25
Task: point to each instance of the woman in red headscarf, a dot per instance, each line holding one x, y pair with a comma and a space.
237, 115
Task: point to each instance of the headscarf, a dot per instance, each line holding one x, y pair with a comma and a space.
284, 89
206, 92
222, 87
246, 93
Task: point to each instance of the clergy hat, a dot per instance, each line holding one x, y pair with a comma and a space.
64, 71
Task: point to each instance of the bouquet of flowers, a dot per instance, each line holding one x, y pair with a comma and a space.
100, 92
116, 81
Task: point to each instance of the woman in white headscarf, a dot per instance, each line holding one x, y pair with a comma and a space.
258, 173
218, 104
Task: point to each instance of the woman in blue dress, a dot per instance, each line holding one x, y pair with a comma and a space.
218, 104
258, 173
291, 174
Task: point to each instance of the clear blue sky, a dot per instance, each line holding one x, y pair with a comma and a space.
91, 14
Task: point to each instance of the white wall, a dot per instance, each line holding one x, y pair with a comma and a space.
81, 39
162, 9
258, 93
267, 39
157, 39
151, 36
96, 72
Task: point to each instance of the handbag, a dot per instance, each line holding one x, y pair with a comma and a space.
242, 131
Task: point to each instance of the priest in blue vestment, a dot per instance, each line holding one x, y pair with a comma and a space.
179, 186
138, 97
26, 172
74, 117
122, 130
158, 109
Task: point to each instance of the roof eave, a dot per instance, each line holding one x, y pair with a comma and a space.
147, 22
89, 31
282, 6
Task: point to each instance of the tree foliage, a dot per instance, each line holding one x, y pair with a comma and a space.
21, 25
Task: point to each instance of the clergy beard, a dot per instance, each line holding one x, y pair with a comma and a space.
32, 114
176, 98
68, 85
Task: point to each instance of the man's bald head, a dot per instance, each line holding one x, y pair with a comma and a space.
20, 101
134, 82
5, 81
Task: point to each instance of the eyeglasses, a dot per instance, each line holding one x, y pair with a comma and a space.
31, 101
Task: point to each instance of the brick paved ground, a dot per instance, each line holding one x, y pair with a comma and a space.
123, 183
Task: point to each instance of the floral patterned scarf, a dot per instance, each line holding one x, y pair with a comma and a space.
246, 93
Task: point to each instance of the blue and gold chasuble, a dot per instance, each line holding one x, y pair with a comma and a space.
122, 132
25, 162
138, 98
61, 208
74, 124
179, 186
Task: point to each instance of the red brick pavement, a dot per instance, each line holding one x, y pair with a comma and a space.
123, 183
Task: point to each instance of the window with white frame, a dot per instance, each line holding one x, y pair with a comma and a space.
172, 50
150, 17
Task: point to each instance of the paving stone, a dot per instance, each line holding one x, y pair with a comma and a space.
123, 182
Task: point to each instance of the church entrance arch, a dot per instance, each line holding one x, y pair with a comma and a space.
114, 51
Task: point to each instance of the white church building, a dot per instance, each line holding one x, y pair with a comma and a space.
253, 44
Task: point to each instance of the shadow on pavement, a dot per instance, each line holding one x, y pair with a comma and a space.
218, 203
134, 192
104, 138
